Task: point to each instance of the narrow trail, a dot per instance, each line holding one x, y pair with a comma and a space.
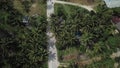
89, 8
52, 58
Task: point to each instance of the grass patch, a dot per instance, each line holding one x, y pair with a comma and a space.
68, 10
86, 2
36, 8
105, 63
18, 5
68, 55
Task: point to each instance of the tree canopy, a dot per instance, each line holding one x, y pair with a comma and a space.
96, 30
21, 46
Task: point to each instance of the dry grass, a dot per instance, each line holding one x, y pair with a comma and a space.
19, 6
36, 8
69, 57
87, 2
89, 61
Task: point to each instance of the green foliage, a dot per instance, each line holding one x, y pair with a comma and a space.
73, 65
116, 11
21, 46
101, 8
117, 59
96, 29
113, 41
43, 1
27, 4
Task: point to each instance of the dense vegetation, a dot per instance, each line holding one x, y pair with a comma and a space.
90, 33
21, 45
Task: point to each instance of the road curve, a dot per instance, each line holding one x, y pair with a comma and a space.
89, 8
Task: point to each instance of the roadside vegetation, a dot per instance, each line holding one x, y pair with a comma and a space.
22, 45
83, 35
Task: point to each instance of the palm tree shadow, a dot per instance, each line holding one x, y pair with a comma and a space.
52, 56
51, 45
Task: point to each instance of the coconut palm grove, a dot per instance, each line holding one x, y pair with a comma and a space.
40, 33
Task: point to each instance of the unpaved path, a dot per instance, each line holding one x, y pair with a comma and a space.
52, 59
89, 8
